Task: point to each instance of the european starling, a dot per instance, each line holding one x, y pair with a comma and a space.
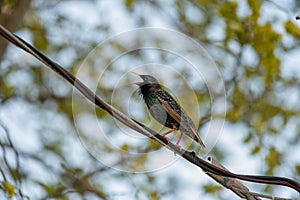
165, 109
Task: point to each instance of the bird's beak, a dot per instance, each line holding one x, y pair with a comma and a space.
135, 83
298, 17
135, 73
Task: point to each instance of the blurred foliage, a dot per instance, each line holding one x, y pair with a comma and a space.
9, 189
250, 46
212, 188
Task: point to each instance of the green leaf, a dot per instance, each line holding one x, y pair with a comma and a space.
255, 150
129, 3
292, 28
248, 138
273, 159
298, 168
154, 196
9, 189
211, 188
7, 90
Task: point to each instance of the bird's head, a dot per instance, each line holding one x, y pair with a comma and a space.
147, 80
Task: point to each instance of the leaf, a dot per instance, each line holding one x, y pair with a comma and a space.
292, 28
211, 188
7, 90
298, 168
129, 3
9, 189
125, 148
255, 150
273, 159
154, 196
248, 138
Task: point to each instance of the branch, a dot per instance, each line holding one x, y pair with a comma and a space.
210, 169
236, 186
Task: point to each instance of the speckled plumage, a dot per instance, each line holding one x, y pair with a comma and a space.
164, 108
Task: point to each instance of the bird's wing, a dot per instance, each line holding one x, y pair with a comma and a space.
174, 113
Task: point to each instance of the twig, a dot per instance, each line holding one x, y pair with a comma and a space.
15, 172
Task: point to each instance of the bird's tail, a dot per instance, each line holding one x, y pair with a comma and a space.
198, 139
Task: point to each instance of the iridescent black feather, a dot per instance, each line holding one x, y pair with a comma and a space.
164, 108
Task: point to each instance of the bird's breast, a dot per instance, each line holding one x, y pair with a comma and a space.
158, 113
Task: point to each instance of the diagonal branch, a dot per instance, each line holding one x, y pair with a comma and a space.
211, 169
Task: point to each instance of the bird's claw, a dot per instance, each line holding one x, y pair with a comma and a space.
168, 139
179, 147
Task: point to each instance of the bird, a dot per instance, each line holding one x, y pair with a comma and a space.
164, 109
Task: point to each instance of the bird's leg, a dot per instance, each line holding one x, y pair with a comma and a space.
177, 143
168, 132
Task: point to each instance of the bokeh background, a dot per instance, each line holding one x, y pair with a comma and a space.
44, 151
